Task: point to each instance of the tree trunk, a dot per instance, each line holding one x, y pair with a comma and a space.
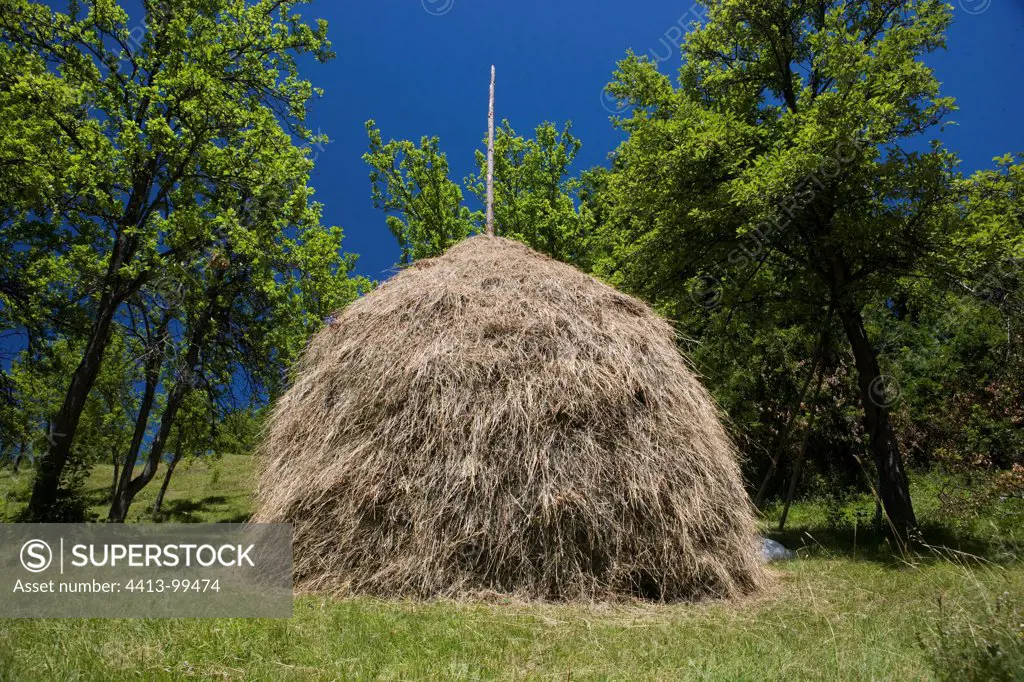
119, 505
799, 463
780, 446
113, 481
20, 457
791, 422
798, 466
893, 485
156, 451
167, 479
46, 488
128, 465
175, 399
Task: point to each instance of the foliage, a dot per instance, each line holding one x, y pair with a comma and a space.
783, 182
782, 192
152, 174
751, 174
37, 385
179, 194
40, 179
536, 200
411, 185
238, 432
956, 351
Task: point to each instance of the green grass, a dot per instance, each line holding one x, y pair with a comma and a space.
826, 619
847, 610
204, 491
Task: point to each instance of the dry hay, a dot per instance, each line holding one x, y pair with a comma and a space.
493, 420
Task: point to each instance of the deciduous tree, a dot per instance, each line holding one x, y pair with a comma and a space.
786, 169
151, 123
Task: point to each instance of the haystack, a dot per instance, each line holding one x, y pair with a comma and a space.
493, 420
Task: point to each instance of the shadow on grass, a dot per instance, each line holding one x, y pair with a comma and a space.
95, 497
184, 511
237, 518
870, 543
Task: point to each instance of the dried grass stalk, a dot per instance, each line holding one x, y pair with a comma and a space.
494, 420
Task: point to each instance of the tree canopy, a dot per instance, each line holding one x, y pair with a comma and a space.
851, 297
785, 200
172, 201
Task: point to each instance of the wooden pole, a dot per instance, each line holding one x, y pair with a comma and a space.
490, 162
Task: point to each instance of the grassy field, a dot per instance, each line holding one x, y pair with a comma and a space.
214, 491
848, 609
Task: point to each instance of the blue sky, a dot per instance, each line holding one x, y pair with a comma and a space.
420, 67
